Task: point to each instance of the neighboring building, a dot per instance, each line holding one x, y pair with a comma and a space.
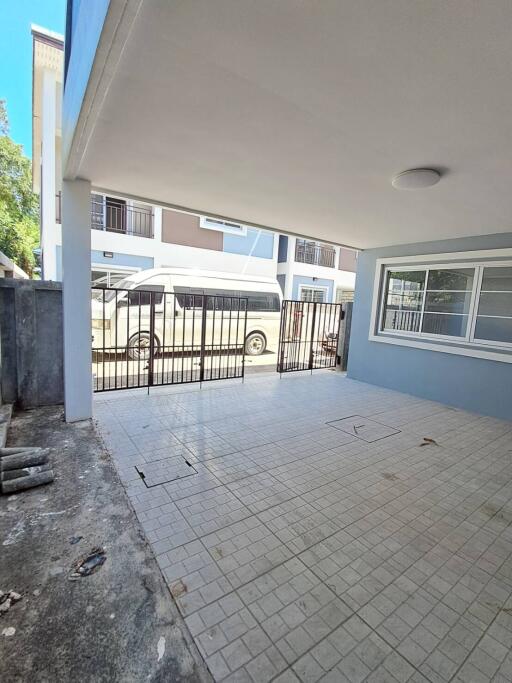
47, 70
314, 271
9, 269
128, 235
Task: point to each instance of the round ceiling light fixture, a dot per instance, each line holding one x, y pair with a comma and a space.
416, 179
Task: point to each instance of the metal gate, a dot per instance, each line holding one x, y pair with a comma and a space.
148, 337
308, 338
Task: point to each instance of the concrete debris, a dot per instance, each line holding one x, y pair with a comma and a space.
8, 599
24, 468
160, 648
9, 631
86, 566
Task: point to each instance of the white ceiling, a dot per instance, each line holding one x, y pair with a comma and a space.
295, 114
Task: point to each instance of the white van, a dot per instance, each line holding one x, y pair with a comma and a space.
122, 320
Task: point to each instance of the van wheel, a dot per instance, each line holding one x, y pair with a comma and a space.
255, 344
140, 344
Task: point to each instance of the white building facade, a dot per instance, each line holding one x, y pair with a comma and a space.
314, 271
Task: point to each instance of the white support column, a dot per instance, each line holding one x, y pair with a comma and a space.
76, 266
290, 267
157, 236
48, 187
275, 251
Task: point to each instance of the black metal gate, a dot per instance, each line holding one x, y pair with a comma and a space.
308, 338
148, 337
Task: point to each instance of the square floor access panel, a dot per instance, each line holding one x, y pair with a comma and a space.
165, 470
364, 428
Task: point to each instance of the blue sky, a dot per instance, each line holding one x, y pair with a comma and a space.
16, 58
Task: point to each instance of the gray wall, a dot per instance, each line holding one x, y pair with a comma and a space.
31, 343
482, 386
282, 252
282, 282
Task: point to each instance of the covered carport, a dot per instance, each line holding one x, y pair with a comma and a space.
320, 528
296, 116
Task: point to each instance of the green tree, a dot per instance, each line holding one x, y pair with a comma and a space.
19, 206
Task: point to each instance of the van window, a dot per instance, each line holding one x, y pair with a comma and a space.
189, 297
263, 302
224, 299
140, 296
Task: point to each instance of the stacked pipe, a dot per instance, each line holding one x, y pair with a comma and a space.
23, 468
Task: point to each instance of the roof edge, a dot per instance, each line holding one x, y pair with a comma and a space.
44, 35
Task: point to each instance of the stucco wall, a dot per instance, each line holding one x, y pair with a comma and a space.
184, 229
257, 243
117, 259
479, 385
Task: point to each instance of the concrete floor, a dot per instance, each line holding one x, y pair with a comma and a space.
314, 534
118, 625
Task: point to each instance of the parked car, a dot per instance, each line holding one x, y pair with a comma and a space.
175, 310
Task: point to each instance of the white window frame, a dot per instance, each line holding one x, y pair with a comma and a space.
322, 287
219, 225
114, 269
468, 345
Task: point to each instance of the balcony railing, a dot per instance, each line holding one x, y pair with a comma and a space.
120, 218
314, 253
126, 220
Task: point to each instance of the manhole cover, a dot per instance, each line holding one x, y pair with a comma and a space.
364, 428
165, 470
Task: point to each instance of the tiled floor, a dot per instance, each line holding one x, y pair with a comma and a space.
301, 550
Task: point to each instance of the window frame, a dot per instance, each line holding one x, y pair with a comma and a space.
108, 270
469, 344
426, 335
324, 288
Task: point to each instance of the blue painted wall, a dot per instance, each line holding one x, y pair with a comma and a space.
282, 251
127, 260
143, 262
318, 282
257, 243
474, 384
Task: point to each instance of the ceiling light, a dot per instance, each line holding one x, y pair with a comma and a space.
416, 178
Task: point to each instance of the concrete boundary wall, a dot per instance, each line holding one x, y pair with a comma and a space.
31, 348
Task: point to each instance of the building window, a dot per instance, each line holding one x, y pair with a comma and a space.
223, 226
313, 294
469, 304
432, 302
493, 320
344, 296
108, 278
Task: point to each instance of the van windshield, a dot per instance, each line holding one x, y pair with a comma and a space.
110, 294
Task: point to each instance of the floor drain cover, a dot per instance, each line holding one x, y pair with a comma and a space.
364, 428
164, 471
